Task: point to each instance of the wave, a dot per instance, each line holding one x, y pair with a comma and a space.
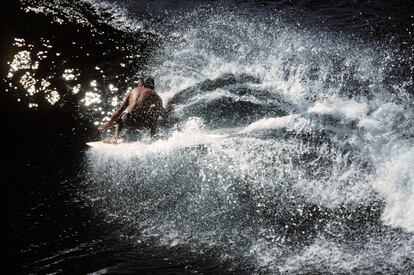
285, 146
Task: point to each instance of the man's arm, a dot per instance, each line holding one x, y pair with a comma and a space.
164, 112
117, 113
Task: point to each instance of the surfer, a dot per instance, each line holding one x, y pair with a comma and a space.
140, 109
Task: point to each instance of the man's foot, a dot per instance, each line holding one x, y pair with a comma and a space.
110, 141
104, 126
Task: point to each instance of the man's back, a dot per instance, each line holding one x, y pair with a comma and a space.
143, 107
142, 101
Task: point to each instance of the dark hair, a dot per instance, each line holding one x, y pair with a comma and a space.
148, 82
136, 81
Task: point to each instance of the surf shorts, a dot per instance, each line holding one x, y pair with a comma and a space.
130, 122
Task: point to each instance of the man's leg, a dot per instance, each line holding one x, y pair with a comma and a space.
118, 130
119, 126
153, 131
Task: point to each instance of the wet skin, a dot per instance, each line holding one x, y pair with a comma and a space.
143, 105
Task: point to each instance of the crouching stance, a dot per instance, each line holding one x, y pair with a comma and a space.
140, 109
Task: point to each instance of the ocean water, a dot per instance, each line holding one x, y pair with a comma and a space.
289, 149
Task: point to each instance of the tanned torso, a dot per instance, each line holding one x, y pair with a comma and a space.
144, 107
143, 102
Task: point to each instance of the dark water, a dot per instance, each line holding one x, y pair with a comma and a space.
317, 177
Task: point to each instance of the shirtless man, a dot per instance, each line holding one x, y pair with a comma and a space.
143, 107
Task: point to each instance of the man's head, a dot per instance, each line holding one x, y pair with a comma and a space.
137, 81
148, 82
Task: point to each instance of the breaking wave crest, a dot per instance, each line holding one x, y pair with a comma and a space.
285, 146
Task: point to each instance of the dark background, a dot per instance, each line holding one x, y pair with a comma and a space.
43, 148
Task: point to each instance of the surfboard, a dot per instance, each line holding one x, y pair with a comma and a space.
98, 144
173, 142
101, 144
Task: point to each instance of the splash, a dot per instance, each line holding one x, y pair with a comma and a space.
313, 155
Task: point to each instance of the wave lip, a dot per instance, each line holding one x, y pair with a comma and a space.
312, 169
396, 184
340, 109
